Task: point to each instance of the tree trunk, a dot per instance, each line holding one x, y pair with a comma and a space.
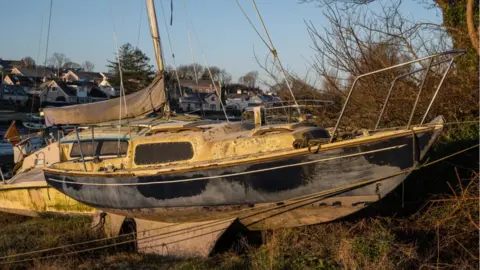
471, 26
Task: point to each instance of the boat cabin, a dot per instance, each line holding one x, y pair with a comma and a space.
175, 145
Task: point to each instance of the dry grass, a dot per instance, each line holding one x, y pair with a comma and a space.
441, 235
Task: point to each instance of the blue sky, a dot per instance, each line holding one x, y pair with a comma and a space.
83, 30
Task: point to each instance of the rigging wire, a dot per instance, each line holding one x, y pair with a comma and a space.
122, 89
48, 38
140, 24
318, 196
275, 54
271, 47
219, 95
190, 41
253, 26
171, 47
37, 60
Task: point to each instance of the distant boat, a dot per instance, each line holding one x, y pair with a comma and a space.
35, 122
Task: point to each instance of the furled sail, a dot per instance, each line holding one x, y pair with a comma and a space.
140, 103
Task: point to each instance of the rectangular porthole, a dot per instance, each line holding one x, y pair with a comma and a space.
156, 153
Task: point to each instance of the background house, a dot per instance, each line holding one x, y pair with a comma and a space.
83, 76
100, 79
237, 101
57, 91
203, 86
36, 73
8, 65
200, 101
27, 83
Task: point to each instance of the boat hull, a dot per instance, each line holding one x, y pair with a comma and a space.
228, 191
30, 195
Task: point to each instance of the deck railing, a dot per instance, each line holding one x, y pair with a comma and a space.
451, 56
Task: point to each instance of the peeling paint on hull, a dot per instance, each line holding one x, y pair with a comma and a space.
190, 200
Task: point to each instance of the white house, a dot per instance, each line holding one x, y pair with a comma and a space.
71, 92
99, 78
212, 102
58, 92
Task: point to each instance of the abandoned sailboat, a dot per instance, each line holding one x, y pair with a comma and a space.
267, 176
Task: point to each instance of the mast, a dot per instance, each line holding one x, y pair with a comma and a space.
152, 18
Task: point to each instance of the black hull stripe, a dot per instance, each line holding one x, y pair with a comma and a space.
225, 175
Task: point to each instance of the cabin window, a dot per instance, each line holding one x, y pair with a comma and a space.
111, 148
100, 148
87, 149
154, 153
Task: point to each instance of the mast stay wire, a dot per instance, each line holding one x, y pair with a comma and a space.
171, 47
190, 41
122, 89
37, 59
139, 24
191, 50
271, 47
208, 69
48, 38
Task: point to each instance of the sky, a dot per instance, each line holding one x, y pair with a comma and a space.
84, 30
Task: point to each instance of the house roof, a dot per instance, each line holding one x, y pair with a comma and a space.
88, 76
37, 72
108, 75
96, 92
9, 64
67, 89
20, 80
242, 96
193, 84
